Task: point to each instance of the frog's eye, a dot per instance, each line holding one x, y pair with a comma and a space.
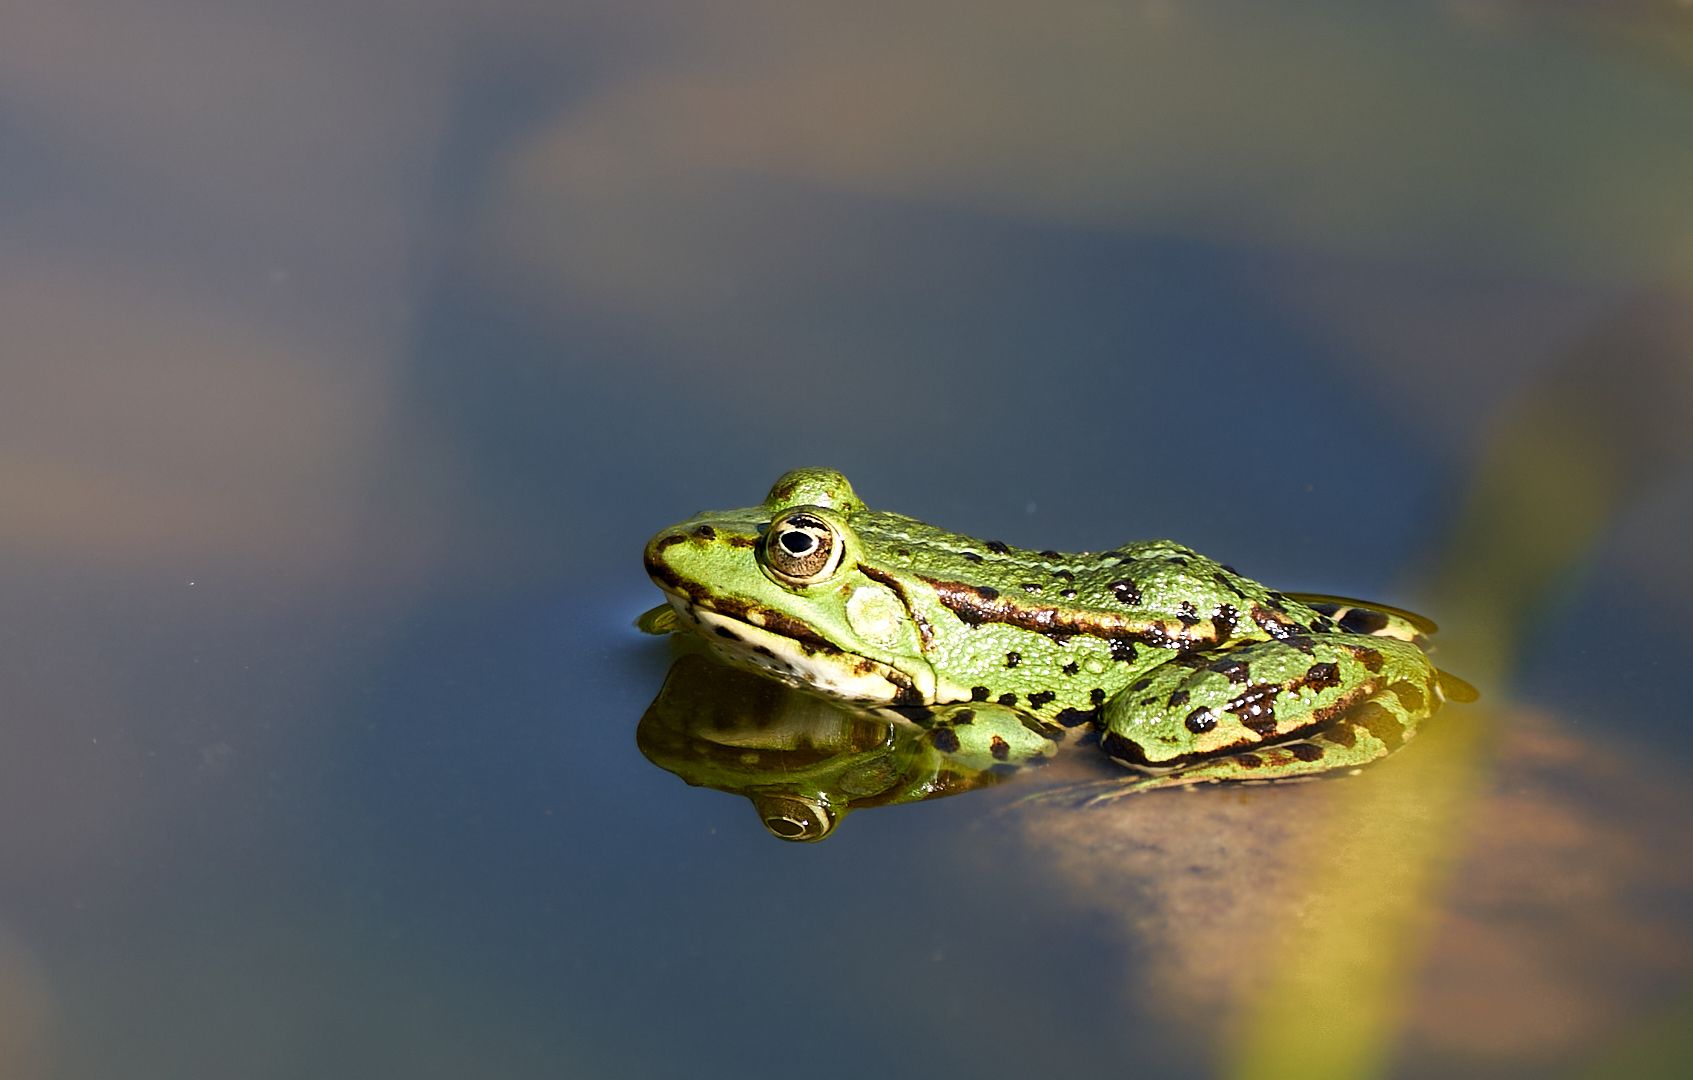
802, 549
793, 818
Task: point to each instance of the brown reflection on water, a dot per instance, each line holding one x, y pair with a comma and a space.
209, 233
140, 423
1404, 131
26, 1018
1566, 922
1563, 923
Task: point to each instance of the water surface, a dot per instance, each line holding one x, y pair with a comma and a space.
353, 351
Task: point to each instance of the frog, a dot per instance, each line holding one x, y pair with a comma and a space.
1179, 668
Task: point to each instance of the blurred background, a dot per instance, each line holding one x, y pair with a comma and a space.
349, 352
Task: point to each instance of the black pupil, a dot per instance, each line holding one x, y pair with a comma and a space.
798, 543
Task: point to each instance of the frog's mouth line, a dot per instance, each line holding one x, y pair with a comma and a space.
683, 594
792, 651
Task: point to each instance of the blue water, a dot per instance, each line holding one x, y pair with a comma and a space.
349, 365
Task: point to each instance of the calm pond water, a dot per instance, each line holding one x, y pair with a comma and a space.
349, 354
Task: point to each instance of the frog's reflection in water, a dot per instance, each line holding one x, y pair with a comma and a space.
805, 761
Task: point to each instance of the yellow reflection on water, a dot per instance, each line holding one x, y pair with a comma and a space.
1335, 1002
1562, 464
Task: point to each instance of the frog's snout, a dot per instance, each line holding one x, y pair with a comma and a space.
657, 565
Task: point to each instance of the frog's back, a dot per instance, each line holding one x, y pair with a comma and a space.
1153, 579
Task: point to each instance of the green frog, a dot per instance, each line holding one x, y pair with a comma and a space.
1184, 670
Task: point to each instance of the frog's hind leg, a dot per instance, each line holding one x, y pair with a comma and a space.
1365, 732
1270, 709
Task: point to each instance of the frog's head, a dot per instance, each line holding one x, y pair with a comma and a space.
783, 586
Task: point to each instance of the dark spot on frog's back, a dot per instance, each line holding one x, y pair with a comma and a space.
1041, 698
1231, 668
725, 632
1125, 592
971, 555
1200, 720
1013, 659
1306, 751
1322, 676
1049, 554
1178, 699
1071, 668
1371, 659
1227, 584
1008, 700
1097, 696
1122, 650
1248, 761
997, 548
945, 740
1274, 622
1224, 622
999, 748
1255, 708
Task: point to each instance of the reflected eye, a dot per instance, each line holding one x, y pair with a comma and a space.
794, 818
802, 549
